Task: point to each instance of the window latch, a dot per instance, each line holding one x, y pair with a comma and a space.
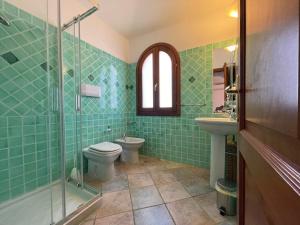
155, 87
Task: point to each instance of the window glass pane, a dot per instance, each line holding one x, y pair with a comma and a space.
165, 80
147, 82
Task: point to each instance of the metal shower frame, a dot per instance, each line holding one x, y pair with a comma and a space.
75, 20
80, 17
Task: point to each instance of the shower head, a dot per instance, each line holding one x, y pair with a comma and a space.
4, 21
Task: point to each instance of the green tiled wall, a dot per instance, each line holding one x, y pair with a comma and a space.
24, 105
180, 138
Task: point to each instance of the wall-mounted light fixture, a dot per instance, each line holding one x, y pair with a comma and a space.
234, 13
231, 48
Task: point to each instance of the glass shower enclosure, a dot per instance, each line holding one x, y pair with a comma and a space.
74, 121
41, 162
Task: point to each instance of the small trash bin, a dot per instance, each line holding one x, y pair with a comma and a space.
226, 197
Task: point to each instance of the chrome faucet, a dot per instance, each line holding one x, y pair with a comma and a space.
232, 113
231, 105
124, 136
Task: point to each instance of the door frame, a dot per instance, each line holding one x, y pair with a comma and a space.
242, 110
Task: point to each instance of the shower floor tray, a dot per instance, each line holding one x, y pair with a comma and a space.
35, 209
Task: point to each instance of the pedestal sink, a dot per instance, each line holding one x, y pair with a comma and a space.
218, 127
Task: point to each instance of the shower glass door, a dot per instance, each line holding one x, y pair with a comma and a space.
76, 191
30, 157
71, 106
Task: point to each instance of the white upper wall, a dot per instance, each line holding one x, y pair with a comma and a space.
126, 28
133, 18
187, 34
221, 56
93, 29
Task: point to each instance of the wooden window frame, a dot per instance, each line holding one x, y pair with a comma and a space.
176, 102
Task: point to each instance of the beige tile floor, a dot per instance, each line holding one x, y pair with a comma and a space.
157, 192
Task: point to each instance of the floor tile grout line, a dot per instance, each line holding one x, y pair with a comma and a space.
149, 172
114, 192
182, 180
133, 187
149, 206
165, 204
170, 214
133, 218
115, 214
177, 181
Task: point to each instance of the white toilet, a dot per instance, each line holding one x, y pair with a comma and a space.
101, 159
131, 148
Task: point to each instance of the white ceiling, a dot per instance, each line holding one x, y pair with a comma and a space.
133, 18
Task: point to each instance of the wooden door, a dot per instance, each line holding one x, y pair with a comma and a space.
269, 137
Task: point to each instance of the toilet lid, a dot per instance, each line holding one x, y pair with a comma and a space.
105, 147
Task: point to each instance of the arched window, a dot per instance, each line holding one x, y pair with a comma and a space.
158, 81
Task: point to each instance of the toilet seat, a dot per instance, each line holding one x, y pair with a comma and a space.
105, 147
100, 153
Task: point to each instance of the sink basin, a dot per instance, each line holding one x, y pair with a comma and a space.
220, 126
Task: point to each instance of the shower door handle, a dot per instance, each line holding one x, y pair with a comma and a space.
57, 105
55, 100
77, 103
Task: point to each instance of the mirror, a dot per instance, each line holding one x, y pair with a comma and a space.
224, 78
